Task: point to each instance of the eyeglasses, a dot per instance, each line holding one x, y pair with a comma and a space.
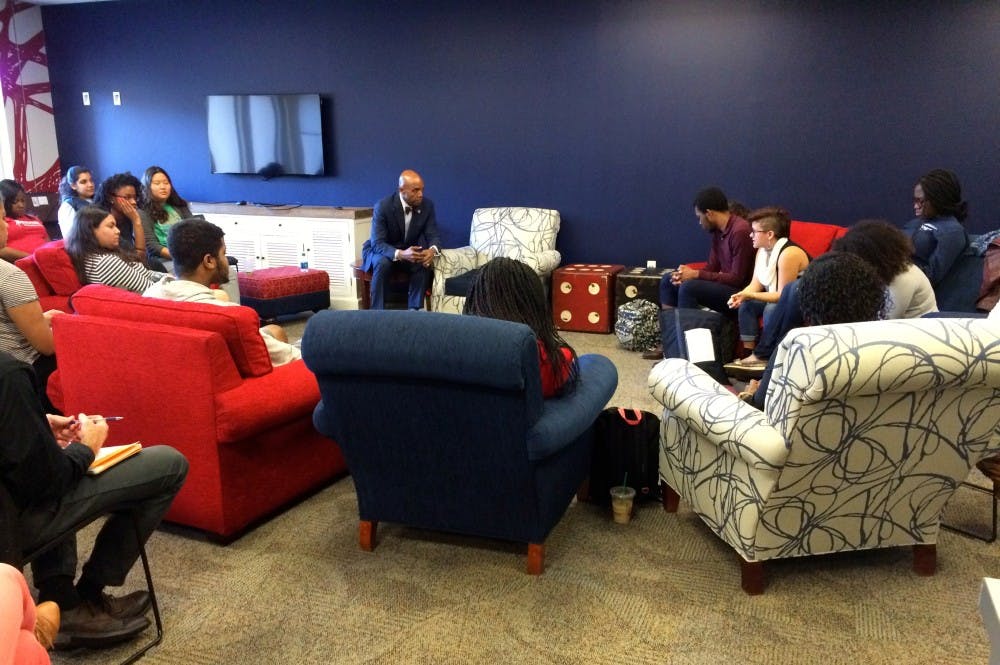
756, 231
919, 201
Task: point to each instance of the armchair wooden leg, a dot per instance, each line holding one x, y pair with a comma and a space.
752, 577
536, 558
583, 492
671, 499
925, 560
366, 534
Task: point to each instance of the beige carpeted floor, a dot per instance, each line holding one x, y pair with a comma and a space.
662, 589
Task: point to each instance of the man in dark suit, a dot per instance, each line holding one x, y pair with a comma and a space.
404, 237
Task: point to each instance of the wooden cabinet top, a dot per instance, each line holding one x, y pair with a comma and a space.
322, 212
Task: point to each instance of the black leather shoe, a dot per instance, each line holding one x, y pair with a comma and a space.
125, 607
88, 625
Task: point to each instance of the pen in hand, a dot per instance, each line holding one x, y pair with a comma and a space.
96, 418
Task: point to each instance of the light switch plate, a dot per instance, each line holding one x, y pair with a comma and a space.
86, 99
117, 97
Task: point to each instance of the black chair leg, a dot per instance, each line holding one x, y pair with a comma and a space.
152, 598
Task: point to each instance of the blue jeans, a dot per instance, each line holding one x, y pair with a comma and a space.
696, 293
750, 313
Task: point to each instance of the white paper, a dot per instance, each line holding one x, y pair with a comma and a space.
699, 345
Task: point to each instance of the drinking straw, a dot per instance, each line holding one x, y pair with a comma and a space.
625, 480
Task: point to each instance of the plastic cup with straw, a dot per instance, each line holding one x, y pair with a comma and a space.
622, 497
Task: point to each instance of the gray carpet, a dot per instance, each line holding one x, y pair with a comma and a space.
662, 589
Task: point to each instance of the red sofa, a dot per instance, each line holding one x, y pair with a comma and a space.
197, 377
51, 272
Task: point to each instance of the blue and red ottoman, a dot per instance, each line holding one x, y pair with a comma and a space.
272, 292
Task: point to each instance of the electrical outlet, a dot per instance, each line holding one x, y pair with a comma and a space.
651, 265
86, 99
117, 98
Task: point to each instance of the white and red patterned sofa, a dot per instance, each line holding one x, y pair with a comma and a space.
867, 431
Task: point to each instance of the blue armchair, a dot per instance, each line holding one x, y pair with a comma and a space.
443, 425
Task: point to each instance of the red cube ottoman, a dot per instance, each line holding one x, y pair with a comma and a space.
583, 297
286, 290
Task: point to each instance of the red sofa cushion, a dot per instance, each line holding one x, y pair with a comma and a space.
815, 238
237, 325
57, 268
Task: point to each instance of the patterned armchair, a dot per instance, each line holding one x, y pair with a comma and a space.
525, 234
868, 429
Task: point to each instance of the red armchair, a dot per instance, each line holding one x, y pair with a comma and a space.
51, 272
197, 377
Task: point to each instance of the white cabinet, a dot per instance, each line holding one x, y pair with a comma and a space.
329, 239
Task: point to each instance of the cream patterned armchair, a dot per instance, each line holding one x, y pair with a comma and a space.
867, 431
525, 234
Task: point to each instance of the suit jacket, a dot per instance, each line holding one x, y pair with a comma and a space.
388, 224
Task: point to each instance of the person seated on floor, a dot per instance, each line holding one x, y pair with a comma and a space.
94, 246
890, 252
25, 331
729, 266
938, 232
510, 290
43, 466
120, 196
27, 631
25, 232
77, 191
837, 287
779, 262
160, 207
198, 250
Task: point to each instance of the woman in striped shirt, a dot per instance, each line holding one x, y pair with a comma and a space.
93, 245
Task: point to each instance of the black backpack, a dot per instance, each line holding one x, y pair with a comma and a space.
626, 441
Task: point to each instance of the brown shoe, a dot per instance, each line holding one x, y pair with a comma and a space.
655, 353
46, 623
125, 607
88, 625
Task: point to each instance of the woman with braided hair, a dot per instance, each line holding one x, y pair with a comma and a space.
938, 232
510, 290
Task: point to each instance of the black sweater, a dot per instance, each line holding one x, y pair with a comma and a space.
33, 467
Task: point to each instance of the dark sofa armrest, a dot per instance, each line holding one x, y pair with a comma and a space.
565, 418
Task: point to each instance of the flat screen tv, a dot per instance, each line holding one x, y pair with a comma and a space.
268, 135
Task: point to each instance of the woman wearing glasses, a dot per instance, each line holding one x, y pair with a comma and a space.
779, 262
938, 232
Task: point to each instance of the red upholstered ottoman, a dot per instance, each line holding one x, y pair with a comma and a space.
583, 297
275, 291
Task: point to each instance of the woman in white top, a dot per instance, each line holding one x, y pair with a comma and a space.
890, 252
779, 262
24, 328
77, 191
94, 246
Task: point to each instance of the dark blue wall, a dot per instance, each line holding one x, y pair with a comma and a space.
614, 113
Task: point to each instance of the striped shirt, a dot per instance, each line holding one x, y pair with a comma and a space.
112, 270
15, 289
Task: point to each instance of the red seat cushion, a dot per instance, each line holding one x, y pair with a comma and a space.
815, 238
237, 325
57, 268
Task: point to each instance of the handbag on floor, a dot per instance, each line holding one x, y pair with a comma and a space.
638, 325
626, 441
